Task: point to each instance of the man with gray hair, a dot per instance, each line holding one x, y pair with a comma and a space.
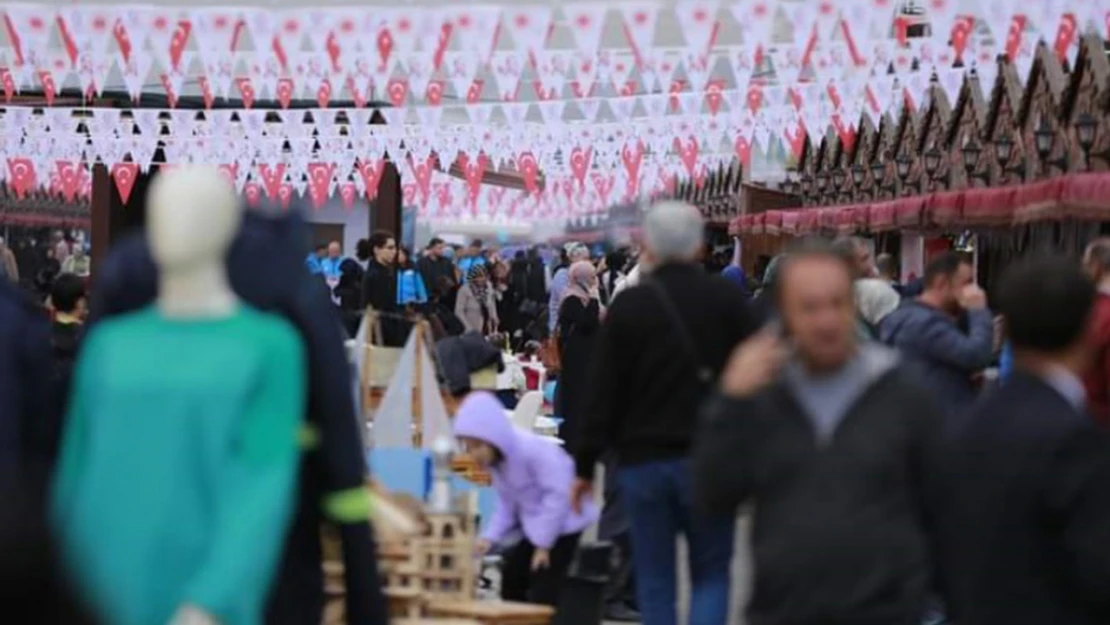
657, 356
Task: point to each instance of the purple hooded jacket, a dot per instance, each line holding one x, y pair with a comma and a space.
533, 480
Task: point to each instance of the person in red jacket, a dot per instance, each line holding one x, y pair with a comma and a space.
1096, 261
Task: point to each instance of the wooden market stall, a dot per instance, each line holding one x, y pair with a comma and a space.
1020, 165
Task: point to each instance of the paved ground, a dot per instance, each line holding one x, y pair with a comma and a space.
741, 576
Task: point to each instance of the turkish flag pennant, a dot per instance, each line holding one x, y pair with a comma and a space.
1015, 35
49, 87
69, 178
124, 175
231, 172
698, 20
356, 94
529, 169
253, 192
246, 90
640, 19
319, 182
323, 93
474, 93
21, 175
434, 94
272, 178
632, 154
347, 193
8, 84
474, 170
206, 92
962, 31
422, 172
284, 92
1065, 35
285, 195
587, 23
743, 148
398, 89
714, 96
687, 153
371, 172
580, 164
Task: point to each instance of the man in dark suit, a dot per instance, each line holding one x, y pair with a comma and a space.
1025, 506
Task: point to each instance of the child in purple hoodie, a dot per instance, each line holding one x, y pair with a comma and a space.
532, 477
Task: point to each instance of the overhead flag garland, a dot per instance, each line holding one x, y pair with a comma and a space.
589, 104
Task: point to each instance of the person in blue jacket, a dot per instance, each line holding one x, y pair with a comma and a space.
266, 270
411, 290
312, 261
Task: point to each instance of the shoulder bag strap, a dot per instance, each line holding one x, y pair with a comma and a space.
704, 373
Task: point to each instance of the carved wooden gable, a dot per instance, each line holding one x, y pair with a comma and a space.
965, 129
883, 153
934, 132
1087, 96
1001, 124
1040, 107
906, 145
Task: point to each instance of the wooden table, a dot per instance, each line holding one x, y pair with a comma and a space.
437, 621
493, 612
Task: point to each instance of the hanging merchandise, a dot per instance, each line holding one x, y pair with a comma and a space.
525, 87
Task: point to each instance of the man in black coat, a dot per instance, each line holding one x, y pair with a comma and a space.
660, 348
1026, 508
266, 270
830, 439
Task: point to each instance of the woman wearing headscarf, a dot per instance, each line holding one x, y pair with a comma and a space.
579, 318
875, 299
475, 305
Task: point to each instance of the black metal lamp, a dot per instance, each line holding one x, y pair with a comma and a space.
807, 183
822, 181
838, 179
932, 161
878, 171
1004, 149
1085, 128
858, 174
971, 153
1086, 131
902, 165
1044, 138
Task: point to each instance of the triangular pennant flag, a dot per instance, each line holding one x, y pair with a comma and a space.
587, 21
698, 21
529, 26
640, 19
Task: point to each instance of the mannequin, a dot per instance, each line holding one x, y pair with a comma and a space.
184, 415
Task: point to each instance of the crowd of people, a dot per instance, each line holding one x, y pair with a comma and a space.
893, 473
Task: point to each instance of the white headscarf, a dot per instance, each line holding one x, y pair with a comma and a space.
875, 299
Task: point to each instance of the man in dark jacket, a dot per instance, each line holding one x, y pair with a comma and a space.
661, 346
266, 269
925, 330
433, 266
830, 442
1026, 511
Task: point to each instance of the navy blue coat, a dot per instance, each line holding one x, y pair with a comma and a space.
266, 270
26, 371
945, 355
1025, 511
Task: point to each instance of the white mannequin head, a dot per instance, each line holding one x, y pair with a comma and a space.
192, 217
